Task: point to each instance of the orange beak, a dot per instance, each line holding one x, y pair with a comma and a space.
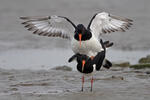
83, 63
80, 37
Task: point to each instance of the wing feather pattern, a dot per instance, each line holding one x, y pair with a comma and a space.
103, 23
51, 26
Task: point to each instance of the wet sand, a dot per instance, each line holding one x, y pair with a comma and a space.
113, 84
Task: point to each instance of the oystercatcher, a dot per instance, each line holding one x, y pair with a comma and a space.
101, 23
86, 65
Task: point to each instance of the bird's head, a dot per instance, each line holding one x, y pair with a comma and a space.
79, 32
81, 60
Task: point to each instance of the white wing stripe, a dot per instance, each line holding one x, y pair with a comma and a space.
41, 24
46, 28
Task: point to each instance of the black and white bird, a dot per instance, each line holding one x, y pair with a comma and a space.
83, 40
87, 66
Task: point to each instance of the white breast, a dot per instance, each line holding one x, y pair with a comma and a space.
88, 47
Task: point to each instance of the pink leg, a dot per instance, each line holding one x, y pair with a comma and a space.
82, 82
92, 83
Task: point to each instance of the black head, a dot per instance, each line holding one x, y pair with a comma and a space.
80, 29
84, 63
81, 33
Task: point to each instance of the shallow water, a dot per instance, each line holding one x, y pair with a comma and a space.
116, 84
46, 59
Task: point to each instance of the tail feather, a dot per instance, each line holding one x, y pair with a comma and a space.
108, 44
107, 64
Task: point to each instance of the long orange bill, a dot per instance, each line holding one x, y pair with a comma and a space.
83, 63
80, 37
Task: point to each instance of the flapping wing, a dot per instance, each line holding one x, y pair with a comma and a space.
51, 26
106, 23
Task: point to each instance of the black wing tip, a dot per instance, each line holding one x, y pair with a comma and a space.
70, 60
121, 18
23, 18
108, 44
130, 20
107, 64
101, 41
73, 57
24, 23
33, 18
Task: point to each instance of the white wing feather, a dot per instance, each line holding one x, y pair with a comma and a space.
107, 23
51, 26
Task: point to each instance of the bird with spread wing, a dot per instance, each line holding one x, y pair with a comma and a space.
83, 40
